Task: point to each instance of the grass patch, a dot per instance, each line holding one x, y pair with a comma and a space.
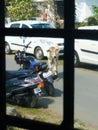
38, 114
80, 125
48, 116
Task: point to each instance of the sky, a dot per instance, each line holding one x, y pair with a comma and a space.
84, 8
88, 2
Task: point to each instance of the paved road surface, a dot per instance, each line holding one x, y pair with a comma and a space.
86, 95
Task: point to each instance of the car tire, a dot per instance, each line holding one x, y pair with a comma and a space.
76, 59
7, 49
38, 53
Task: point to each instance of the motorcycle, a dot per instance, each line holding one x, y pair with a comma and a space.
22, 88
46, 75
41, 68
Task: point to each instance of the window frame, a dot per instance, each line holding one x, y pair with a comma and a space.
69, 33
68, 98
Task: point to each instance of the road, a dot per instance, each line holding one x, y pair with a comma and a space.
86, 93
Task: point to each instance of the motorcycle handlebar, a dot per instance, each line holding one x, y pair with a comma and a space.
25, 47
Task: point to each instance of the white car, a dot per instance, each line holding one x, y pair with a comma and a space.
86, 51
38, 46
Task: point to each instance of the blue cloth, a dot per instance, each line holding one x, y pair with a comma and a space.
32, 63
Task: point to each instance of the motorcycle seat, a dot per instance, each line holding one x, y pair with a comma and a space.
17, 73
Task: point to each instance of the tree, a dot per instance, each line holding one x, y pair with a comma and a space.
92, 20
95, 11
20, 9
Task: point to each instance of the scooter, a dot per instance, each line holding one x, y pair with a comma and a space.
41, 68
46, 75
22, 88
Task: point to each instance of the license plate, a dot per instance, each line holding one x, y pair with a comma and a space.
47, 74
37, 90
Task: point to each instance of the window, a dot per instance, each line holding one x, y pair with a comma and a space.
68, 99
15, 25
24, 26
41, 26
86, 44
69, 33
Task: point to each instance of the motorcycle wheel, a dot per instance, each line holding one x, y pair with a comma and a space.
31, 101
50, 89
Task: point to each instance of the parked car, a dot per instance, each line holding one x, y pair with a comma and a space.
30, 24
38, 46
86, 50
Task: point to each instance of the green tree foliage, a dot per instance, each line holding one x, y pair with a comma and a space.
92, 20
95, 11
20, 9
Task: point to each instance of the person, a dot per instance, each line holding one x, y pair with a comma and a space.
45, 15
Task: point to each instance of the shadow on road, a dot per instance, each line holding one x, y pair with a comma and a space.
89, 67
58, 92
44, 102
60, 76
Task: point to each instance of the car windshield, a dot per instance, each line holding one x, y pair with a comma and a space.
43, 25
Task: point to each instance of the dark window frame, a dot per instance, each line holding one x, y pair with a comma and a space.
69, 33
68, 98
